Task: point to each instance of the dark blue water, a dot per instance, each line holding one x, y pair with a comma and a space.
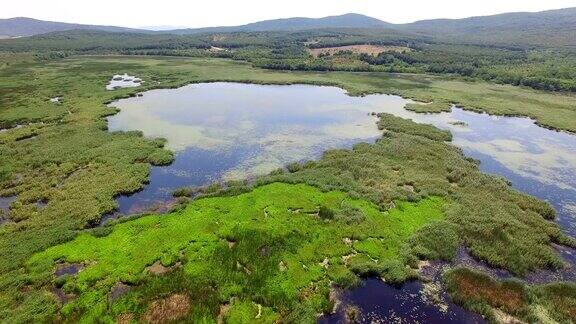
191, 167
5, 203
382, 303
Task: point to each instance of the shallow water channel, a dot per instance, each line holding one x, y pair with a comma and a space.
223, 131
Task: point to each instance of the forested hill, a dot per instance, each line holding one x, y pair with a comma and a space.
552, 27
16, 27
350, 20
21, 26
546, 28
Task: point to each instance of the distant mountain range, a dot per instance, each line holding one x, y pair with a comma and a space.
22, 26
556, 26
350, 20
553, 27
161, 27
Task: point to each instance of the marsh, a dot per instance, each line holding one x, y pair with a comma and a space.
224, 131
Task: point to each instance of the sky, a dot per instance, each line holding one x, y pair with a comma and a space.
205, 13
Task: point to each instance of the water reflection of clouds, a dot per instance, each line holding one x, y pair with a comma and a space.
278, 148
123, 81
516, 143
241, 117
178, 137
543, 166
571, 209
297, 142
290, 126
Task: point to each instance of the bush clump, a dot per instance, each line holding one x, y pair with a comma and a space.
182, 192
294, 167
437, 240
325, 213
350, 215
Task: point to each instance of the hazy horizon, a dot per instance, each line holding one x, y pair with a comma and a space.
223, 13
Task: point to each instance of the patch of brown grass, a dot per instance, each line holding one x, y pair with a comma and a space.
358, 49
158, 269
168, 309
564, 301
567, 305
496, 294
125, 318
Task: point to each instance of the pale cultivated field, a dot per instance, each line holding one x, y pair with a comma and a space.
368, 49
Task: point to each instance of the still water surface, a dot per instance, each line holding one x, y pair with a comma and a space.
230, 131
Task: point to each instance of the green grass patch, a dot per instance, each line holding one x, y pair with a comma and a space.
397, 124
235, 245
429, 107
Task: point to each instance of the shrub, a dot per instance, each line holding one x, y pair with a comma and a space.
182, 192
350, 215
437, 240
325, 212
294, 167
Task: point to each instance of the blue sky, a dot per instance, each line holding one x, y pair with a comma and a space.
220, 12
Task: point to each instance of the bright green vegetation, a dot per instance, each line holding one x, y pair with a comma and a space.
267, 246
430, 107
534, 304
400, 125
498, 224
67, 160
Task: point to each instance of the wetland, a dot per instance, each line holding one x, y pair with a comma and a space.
359, 201
232, 131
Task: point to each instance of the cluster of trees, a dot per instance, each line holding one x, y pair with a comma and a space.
537, 68
553, 70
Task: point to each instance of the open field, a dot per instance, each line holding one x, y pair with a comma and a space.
358, 49
65, 169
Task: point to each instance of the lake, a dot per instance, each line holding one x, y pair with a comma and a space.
230, 131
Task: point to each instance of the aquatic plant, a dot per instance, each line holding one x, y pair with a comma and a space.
500, 299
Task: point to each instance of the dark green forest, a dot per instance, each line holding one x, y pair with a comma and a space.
538, 67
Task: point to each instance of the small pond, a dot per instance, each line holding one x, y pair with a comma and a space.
123, 81
5, 203
223, 131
